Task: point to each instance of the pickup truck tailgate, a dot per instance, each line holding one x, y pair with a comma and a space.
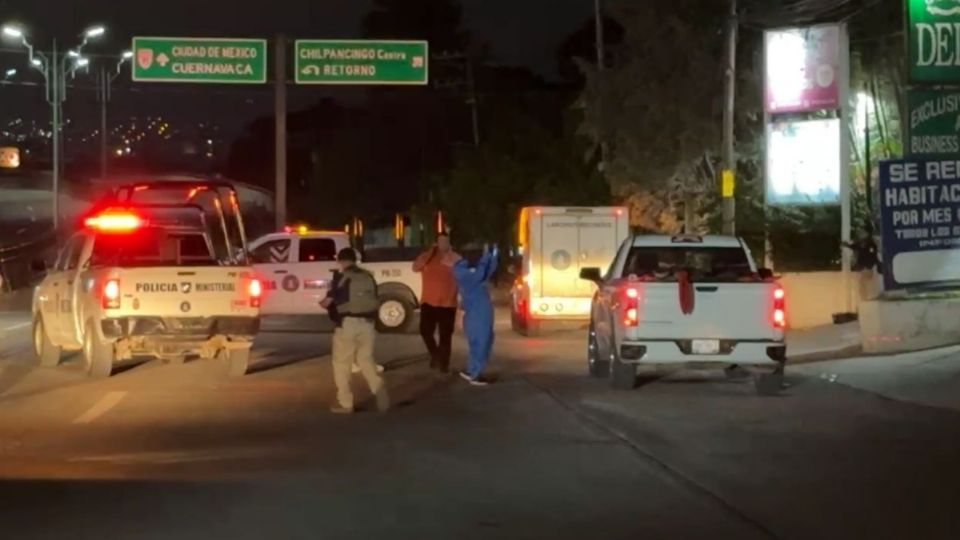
740, 311
186, 292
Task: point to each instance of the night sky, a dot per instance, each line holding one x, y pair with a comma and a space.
523, 32
518, 32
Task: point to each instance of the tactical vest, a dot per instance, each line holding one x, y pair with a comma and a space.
361, 294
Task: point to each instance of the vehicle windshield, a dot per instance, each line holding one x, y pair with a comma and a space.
152, 247
704, 264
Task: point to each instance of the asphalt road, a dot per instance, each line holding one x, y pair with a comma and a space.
167, 451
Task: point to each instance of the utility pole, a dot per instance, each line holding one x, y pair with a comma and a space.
601, 58
54, 97
469, 80
280, 112
472, 101
729, 175
104, 98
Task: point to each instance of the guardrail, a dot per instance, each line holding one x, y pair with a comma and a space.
15, 261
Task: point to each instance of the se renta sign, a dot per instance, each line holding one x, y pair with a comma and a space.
933, 40
199, 60
920, 222
362, 62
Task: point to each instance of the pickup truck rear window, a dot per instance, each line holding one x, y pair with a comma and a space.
152, 247
705, 264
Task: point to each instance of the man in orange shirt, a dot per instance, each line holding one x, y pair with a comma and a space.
438, 305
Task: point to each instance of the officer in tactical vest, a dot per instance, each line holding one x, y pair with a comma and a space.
353, 300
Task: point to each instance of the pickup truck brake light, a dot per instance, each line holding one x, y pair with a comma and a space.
111, 294
631, 306
256, 292
779, 308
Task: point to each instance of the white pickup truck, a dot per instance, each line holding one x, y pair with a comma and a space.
149, 280
296, 268
686, 302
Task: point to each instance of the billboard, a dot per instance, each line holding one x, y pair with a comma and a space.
803, 162
934, 122
933, 41
920, 222
802, 69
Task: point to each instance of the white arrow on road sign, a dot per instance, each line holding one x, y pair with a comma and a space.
163, 59
311, 70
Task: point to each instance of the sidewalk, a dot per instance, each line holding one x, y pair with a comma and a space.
929, 378
823, 342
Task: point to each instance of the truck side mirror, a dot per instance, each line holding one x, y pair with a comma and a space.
765, 273
591, 274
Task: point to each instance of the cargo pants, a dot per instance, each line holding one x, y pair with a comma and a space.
353, 342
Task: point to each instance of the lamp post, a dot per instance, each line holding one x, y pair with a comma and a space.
55, 69
105, 81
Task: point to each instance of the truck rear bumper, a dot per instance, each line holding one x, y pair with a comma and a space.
180, 328
679, 353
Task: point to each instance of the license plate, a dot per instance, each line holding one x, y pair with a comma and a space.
705, 346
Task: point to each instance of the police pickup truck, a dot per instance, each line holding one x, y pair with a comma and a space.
296, 267
150, 280
686, 302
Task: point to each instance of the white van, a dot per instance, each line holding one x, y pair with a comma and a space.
555, 244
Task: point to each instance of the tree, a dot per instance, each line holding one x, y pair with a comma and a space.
521, 163
657, 107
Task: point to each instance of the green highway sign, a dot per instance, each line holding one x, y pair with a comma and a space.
199, 60
361, 62
933, 40
934, 117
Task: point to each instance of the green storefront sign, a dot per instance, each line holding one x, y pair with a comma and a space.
361, 62
199, 60
933, 40
934, 122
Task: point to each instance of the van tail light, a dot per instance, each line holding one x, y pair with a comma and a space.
256, 292
631, 306
111, 294
779, 308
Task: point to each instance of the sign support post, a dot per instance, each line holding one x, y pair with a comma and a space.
280, 130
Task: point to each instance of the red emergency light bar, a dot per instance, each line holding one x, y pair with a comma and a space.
115, 221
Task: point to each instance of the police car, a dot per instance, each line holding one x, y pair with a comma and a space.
296, 267
151, 280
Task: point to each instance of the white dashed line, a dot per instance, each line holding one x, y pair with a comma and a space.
99, 408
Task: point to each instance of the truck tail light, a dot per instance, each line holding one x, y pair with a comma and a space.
111, 294
631, 306
256, 292
779, 308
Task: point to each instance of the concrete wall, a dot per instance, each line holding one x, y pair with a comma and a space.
888, 326
813, 297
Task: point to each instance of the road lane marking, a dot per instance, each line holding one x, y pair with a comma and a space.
99, 408
16, 327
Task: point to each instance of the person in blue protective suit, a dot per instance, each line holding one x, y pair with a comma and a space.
478, 310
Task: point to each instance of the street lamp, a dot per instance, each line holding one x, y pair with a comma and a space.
105, 82
54, 70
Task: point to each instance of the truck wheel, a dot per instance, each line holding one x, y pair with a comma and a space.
238, 361
622, 376
98, 355
395, 314
599, 368
769, 384
47, 354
